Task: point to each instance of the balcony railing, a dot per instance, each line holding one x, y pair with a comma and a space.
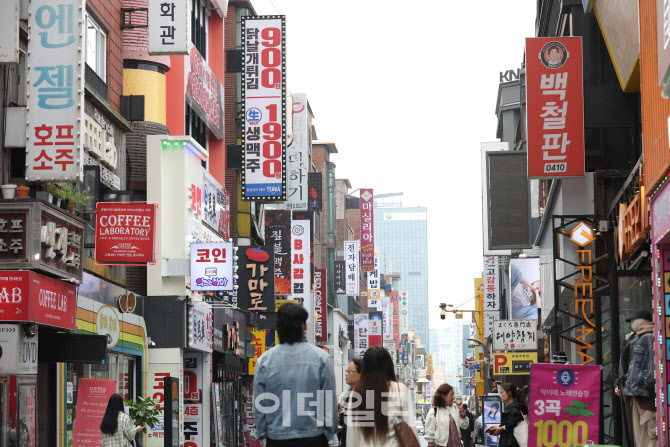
96, 83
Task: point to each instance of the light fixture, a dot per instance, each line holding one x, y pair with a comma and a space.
29, 330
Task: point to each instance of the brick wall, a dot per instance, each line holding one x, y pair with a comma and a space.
136, 143
136, 279
108, 14
230, 123
135, 40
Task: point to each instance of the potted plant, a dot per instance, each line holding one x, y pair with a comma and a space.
49, 193
8, 191
22, 191
143, 412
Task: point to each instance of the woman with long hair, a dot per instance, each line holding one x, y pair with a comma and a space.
376, 402
446, 419
116, 427
353, 375
515, 410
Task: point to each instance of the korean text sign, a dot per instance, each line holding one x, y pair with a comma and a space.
264, 96
514, 335
351, 259
367, 231
565, 407
491, 284
168, 27
555, 107
215, 205
320, 305
278, 233
203, 91
513, 362
200, 327
92, 398
212, 266
125, 233
55, 107
301, 273
298, 156
360, 334
256, 278
340, 274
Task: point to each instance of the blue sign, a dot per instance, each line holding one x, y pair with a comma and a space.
474, 366
565, 377
469, 387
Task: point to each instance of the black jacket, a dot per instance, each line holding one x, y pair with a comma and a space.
512, 415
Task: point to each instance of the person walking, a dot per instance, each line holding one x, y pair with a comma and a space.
515, 413
116, 427
467, 433
445, 419
378, 401
352, 377
294, 388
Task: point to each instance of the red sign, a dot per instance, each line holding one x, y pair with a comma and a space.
555, 107
29, 296
125, 233
320, 305
396, 317
92, 399
204, 91
367, 231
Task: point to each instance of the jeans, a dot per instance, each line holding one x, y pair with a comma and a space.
318, 441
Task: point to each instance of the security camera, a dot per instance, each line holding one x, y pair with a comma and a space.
443, 314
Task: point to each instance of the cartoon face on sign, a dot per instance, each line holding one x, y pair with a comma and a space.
553, 55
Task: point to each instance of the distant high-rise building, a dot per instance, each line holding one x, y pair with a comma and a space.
446, 345
401, 236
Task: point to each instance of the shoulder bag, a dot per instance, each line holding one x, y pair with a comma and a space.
521, 432
404, 433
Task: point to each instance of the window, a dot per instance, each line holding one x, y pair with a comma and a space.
199, 27
96, 48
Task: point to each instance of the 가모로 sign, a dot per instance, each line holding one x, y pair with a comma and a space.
256, 278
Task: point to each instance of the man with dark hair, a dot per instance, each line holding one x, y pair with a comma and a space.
294, 388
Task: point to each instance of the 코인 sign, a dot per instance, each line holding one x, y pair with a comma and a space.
212, 266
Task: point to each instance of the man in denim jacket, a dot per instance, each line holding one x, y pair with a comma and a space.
294, 388
640, 381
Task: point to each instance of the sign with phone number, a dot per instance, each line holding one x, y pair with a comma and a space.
565, 406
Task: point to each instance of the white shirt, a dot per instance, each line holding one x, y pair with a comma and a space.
437, 429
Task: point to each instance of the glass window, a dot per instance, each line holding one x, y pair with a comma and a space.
96, 48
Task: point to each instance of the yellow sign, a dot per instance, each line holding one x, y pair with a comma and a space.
513, 362
582, 234
278, 303
259, 343
107, 324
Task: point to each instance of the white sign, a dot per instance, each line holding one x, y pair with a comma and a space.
200, 327
375, 323
386, 309
352, 250
489, 318
403, 310
491, 283
297, 155
264, 96
515, 335
301, 280
374, 283
9, 33
18, 353
55, 106
215, 205
360, 334
107, 324
212, 266
168, 26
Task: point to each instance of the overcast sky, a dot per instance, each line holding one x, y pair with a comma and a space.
407, 90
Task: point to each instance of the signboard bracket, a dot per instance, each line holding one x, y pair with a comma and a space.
128, 14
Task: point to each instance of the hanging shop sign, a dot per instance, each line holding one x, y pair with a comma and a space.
200, 327
125, 233
9, 33
360, 335
555, 131
351, 259
340, 284
514, 335
107, 323
31, 297
192, 396
567, 397
301, 278
583, 236
320, 305
256, 278
386, 311
203, 91
212, 266
404, 349
230, 329
278, 233
395, 314
403, 312
168, 27
367, 231
298, 155
374, 290
55, 106
491, 283
315, 197
259, 344
264, 96
513, 362
18, 353
375, 328
215, 205
92, 397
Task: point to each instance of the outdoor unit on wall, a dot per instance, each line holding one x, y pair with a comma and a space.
109, 154
92, 137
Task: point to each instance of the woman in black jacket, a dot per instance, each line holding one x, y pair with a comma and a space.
515, 410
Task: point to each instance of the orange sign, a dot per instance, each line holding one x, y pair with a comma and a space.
582, 234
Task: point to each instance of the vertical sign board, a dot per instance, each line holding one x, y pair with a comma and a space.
92, 399
404, 312
360, 334
9, 33
259, 347
386, 311
395, 318
200, 327
375, 328
320, 305
168, 27
367, 231
203, 91
192, 395
404, 349
215, 205
125, 233
278, 233
264, 96
212, 266
55, 108
256, 278
315, 196
555, 107
298, 156
567, 397
340, 278
351, 259
374, 283
301, 281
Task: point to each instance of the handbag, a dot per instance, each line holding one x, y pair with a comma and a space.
403, 432
521, 432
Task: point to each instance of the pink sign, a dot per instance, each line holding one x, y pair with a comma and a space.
92, 398
367, 231
565, 405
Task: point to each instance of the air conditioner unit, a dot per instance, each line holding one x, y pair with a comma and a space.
109, 155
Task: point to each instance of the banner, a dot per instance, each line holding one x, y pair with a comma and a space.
513, 362
360, 335
565, 406
340, 287
403, 312
168, 27
92, 399
555, 131
55, 106
212, 266
256, 278
320, 305
367, 231
514, 335
375, 328
351, 258
301, 279
264, 96
525, 299
203, 91
125, 233
278, 233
